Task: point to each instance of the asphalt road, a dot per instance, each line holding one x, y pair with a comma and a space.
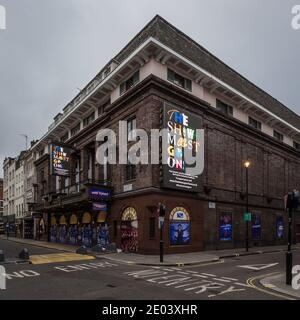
102, 279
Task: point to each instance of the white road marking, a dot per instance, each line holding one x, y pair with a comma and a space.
222, 280
232, 279
208, 274
258, 267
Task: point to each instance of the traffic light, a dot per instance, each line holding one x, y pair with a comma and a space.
292, 200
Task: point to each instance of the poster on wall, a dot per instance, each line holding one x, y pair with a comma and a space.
180, 227
256, 226
226, 227
181, 138
59, 160
279, 227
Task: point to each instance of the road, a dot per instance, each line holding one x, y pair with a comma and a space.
232, 278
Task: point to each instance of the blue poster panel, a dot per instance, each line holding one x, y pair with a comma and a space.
279, 227
179, 233
256, 227
226, 227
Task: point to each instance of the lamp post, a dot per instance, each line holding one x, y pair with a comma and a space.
247, 164
162, 212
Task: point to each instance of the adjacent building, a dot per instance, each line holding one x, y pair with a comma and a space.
164, 79
1, 199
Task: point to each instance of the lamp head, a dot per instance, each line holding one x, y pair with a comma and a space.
247, 164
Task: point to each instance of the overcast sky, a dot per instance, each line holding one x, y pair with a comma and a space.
51, 48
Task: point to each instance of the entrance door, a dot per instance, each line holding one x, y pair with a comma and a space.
129, 230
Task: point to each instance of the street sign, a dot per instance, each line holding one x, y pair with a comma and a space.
161, 222
247, 216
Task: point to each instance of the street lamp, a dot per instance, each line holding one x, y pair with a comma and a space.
247, 165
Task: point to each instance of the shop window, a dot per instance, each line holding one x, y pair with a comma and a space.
179, 80
129, 83
256, 226
224, 107
180, 227
279, 227
152, 228
254, 123
225, 227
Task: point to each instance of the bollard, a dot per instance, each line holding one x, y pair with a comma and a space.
24, 255
2, 257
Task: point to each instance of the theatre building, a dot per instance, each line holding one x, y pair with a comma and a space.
164, 79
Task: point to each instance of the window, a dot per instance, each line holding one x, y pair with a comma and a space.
225, 108
296, 145
130, 172
179, 80
75, 130
89, 119
65, 137
131, 125
152, 228
254, 123
129, 83
277, 135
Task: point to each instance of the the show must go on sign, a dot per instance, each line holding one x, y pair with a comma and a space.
60, 160
181, 140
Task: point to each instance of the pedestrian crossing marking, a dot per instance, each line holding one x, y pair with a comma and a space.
58, 257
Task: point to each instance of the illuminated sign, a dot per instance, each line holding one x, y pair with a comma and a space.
60, 160
99, 206
181, 140
99, 193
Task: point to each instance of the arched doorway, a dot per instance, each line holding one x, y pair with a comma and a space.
87, 231
73, 229
53, 229
179, 227
129, 230
62, 234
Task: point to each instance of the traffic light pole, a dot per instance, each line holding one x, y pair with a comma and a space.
161, 244
289, 254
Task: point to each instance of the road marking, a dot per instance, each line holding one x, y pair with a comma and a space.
222, 280
85, 266
232, 279
269, 285
258, 267
250, 282
58, 257
189, 281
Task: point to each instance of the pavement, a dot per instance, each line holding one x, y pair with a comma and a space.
277, 283
193, 258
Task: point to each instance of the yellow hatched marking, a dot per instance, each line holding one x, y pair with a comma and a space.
58, 257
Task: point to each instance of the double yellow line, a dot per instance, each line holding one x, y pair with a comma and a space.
251, 283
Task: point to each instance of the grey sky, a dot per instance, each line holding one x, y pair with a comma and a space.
52, 47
